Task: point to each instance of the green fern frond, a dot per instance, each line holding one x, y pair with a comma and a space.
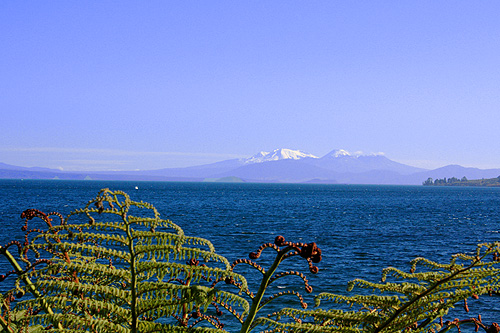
105, 267
167, 328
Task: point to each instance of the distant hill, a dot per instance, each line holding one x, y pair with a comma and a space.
14, 172
4, 166
280, 165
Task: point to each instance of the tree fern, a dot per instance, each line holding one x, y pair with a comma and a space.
113, 266
418, 300
116, 266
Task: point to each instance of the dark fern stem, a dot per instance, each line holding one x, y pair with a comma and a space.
284, 250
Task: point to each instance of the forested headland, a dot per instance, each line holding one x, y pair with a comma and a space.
453, 181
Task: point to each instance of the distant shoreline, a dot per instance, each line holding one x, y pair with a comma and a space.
484, 182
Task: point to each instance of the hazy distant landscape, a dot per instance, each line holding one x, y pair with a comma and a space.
278, 166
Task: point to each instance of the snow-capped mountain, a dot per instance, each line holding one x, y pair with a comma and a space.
278, 154
337, 153
343, 161
339, 165
280, 165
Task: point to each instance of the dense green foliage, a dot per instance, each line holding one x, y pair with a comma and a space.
116, 266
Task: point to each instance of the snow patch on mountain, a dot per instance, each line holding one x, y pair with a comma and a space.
278, 154
290, 154
339, 153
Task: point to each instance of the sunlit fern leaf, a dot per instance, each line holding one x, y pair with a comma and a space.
303, 325
158, 327
113, 262
380, 301
416, 300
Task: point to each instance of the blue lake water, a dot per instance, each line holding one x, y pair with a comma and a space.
360, 229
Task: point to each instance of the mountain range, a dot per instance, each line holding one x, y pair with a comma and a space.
281, 165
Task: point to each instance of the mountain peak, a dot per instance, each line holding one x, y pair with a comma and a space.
278, 154
338, 153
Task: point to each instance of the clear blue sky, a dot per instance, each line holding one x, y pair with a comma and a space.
122, 85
